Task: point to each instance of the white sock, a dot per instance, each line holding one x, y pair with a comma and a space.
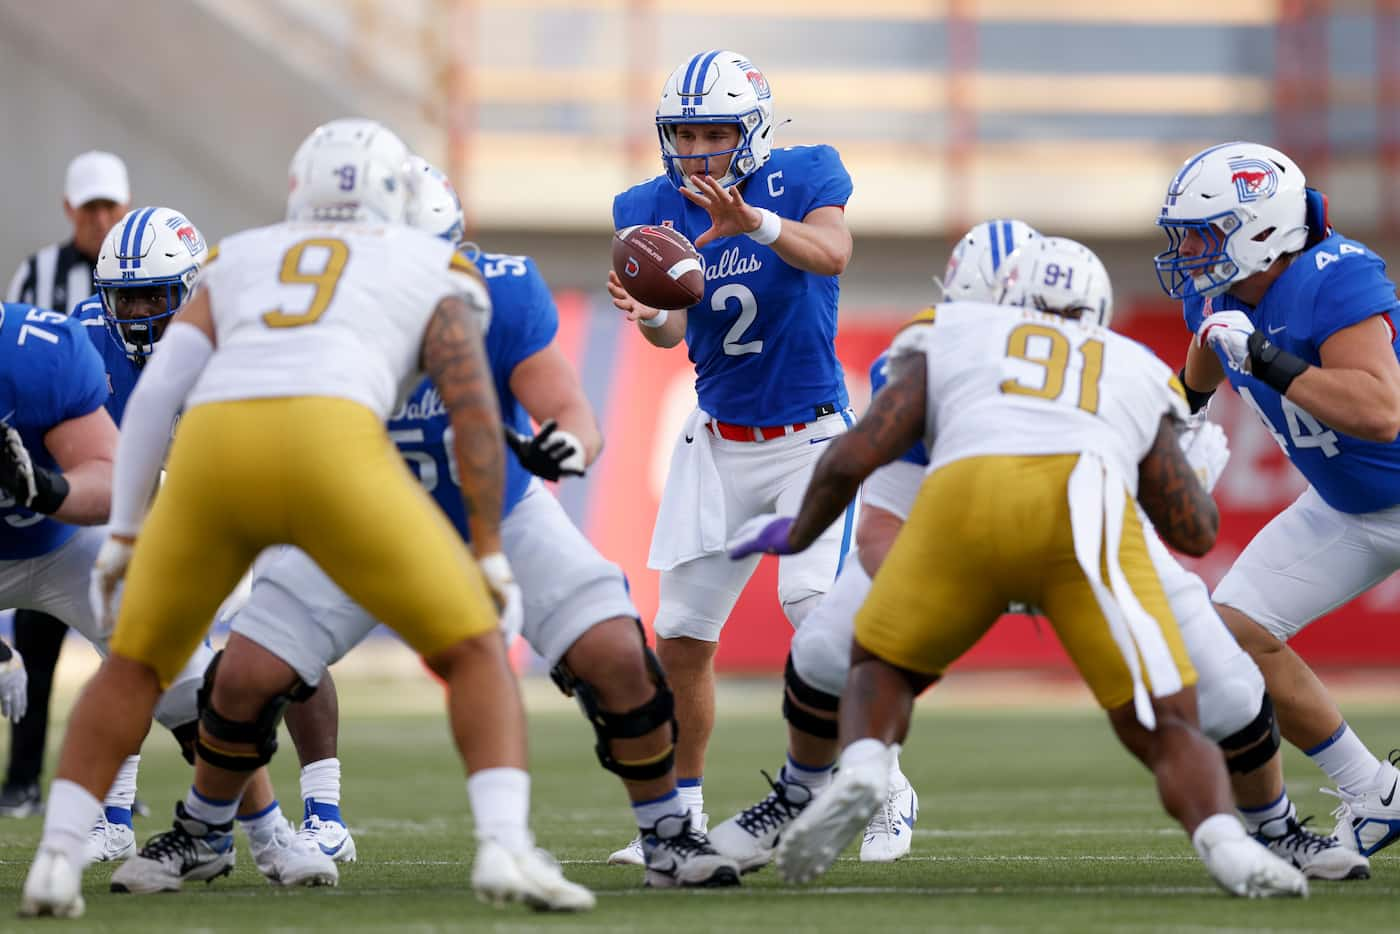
1254, 818
649, 812
1215, 829
863, 750
896, 774
210, 811
122, 794
68, 819
814, 779
500, 800
692, 792
262, 827
1346, 760
321, 780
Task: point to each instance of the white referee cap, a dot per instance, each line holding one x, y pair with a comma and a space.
94, 175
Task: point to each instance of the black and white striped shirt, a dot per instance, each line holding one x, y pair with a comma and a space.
57, 277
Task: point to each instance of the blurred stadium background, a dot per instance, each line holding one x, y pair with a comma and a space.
1070, 115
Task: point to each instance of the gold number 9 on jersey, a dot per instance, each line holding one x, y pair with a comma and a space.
1055, 362
325, 281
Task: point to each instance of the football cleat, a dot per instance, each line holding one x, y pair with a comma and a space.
191, 851
680, 856
1318, 857
108, 842
20, 801
818, 836
890, 833
53, 888
749, 837
1242, 867
530, 876
288, 858
1369, 822
332, 837
629, 855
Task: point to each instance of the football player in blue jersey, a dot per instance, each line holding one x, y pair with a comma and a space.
55, 488
577, 613
148, 264
1301, 320
770, 224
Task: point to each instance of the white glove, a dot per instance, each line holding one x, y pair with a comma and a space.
506, 592
1228, 332
14, 687
1206, 448
108, 572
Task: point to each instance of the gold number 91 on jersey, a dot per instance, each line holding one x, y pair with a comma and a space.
327, 253
1047, 348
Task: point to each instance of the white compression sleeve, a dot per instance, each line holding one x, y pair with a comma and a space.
151, 410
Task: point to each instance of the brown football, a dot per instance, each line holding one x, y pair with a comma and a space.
658, 266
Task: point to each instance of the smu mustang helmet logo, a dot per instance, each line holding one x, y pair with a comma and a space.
1253, 179
760, 83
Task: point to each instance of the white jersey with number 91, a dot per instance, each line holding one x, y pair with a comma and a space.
1014, 381
327, 309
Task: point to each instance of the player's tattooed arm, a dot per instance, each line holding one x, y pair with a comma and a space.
892, 425
454, 357
1172, 496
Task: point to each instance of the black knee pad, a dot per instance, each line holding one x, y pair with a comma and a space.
654, 714
187, 736
795, 691
1259, 740
260, 733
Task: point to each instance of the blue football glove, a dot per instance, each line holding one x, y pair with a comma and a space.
766, 534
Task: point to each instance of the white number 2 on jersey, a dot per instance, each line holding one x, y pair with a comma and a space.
748, 311
1303, 430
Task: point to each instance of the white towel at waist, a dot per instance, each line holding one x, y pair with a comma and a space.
690, 522
1097, 501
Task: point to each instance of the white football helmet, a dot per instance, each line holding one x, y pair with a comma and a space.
974, 266
147, 267
1246, 201
433, 205
1058, 275
349, 170
717, 87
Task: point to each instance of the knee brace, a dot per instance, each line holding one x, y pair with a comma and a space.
796, 691
654, 714
187, 736
1259, 740
260, 733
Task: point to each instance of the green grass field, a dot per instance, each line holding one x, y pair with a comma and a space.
1032, 819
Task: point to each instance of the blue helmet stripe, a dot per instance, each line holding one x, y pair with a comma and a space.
689, 72
126, 237
996, 246
702, 71
1008, 236
140, 235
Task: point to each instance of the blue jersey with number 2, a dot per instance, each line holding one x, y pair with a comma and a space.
1333, 285
523, 322
762, 338
49, 374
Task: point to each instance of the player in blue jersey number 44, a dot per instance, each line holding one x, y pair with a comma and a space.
1300, 319
770, 225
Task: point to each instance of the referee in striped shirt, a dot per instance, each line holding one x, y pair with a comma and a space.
96, 194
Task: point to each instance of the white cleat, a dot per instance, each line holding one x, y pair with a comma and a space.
332, 837
890, 833
531, 876
1317, 856
1369, 822
108, 842
191, 851
629, 855
750, 836
53, 888
813, 841
291, 859
1241, 866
